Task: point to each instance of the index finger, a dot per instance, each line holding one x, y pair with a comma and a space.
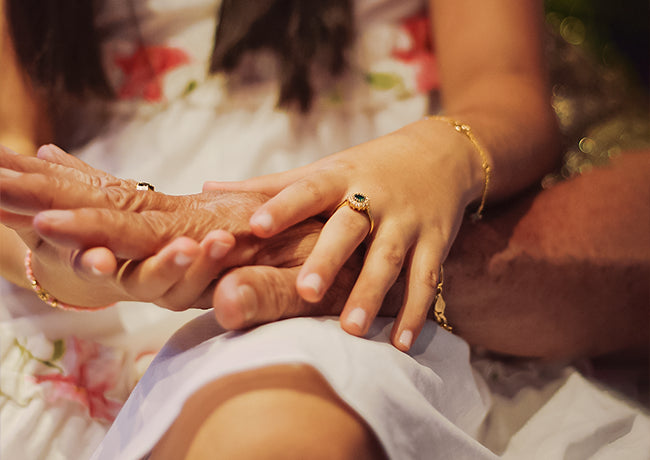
306, 197
28, 193
269, 184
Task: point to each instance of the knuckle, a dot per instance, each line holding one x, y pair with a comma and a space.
428, 278
124, 200
312, 189
94, 181
162, 227
392, 254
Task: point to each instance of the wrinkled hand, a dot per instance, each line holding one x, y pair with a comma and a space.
109, 216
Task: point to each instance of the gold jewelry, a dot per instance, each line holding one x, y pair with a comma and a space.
467, 131
145, 186
361, 203
44, 295
440, 305
122, 270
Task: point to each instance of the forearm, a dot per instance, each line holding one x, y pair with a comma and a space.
493, 77
560, 273
24, 122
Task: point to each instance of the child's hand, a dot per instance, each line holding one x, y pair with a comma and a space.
417, 192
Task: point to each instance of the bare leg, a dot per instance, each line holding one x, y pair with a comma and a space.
276, 412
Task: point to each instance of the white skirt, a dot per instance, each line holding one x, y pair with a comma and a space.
428, 403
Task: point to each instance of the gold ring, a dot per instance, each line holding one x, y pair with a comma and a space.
361, 203
122, 270
145, 186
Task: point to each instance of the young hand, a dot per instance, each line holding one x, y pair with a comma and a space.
418, 182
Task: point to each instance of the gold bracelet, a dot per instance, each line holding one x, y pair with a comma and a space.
467, 131
44, 295
440, 305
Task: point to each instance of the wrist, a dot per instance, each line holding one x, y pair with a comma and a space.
466, 130
50, 299
453, 155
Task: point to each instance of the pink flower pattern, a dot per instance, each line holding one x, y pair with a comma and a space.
91, 370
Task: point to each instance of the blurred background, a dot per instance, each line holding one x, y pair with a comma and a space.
600, 63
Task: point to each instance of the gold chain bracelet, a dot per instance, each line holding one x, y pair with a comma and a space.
440, 305
465, 129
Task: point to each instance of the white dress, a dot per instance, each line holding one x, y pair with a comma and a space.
65, 374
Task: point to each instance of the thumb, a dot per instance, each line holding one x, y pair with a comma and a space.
259, 294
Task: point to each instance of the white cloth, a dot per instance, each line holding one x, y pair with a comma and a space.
425, 404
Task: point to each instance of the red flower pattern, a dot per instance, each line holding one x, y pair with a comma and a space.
144, 68
420, 52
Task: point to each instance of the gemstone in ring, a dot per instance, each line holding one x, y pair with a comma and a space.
361, 203
144, 186
358, 202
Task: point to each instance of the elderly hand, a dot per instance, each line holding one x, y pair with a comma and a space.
74, 207
86, 208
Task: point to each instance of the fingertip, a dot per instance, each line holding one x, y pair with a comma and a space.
404, 340
44, 152
235, 303
209, 186
47, 223
310, 287
355, 321
99, 262
261, 223
185, 250
218, 243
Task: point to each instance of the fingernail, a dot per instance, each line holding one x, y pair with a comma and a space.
358, 317
219, 249
55, 215
4, 172
249, 301
314, 282
44, 152
96, 271
263, 221
183, 260
207, 186
406, 338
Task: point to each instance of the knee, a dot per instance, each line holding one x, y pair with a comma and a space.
286, 412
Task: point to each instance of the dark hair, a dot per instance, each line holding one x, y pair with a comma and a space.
57, 44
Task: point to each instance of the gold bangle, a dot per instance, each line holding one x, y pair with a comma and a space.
44, 295
440, 305
465, 129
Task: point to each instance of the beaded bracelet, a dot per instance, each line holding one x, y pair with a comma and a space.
44, 295
467, 131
